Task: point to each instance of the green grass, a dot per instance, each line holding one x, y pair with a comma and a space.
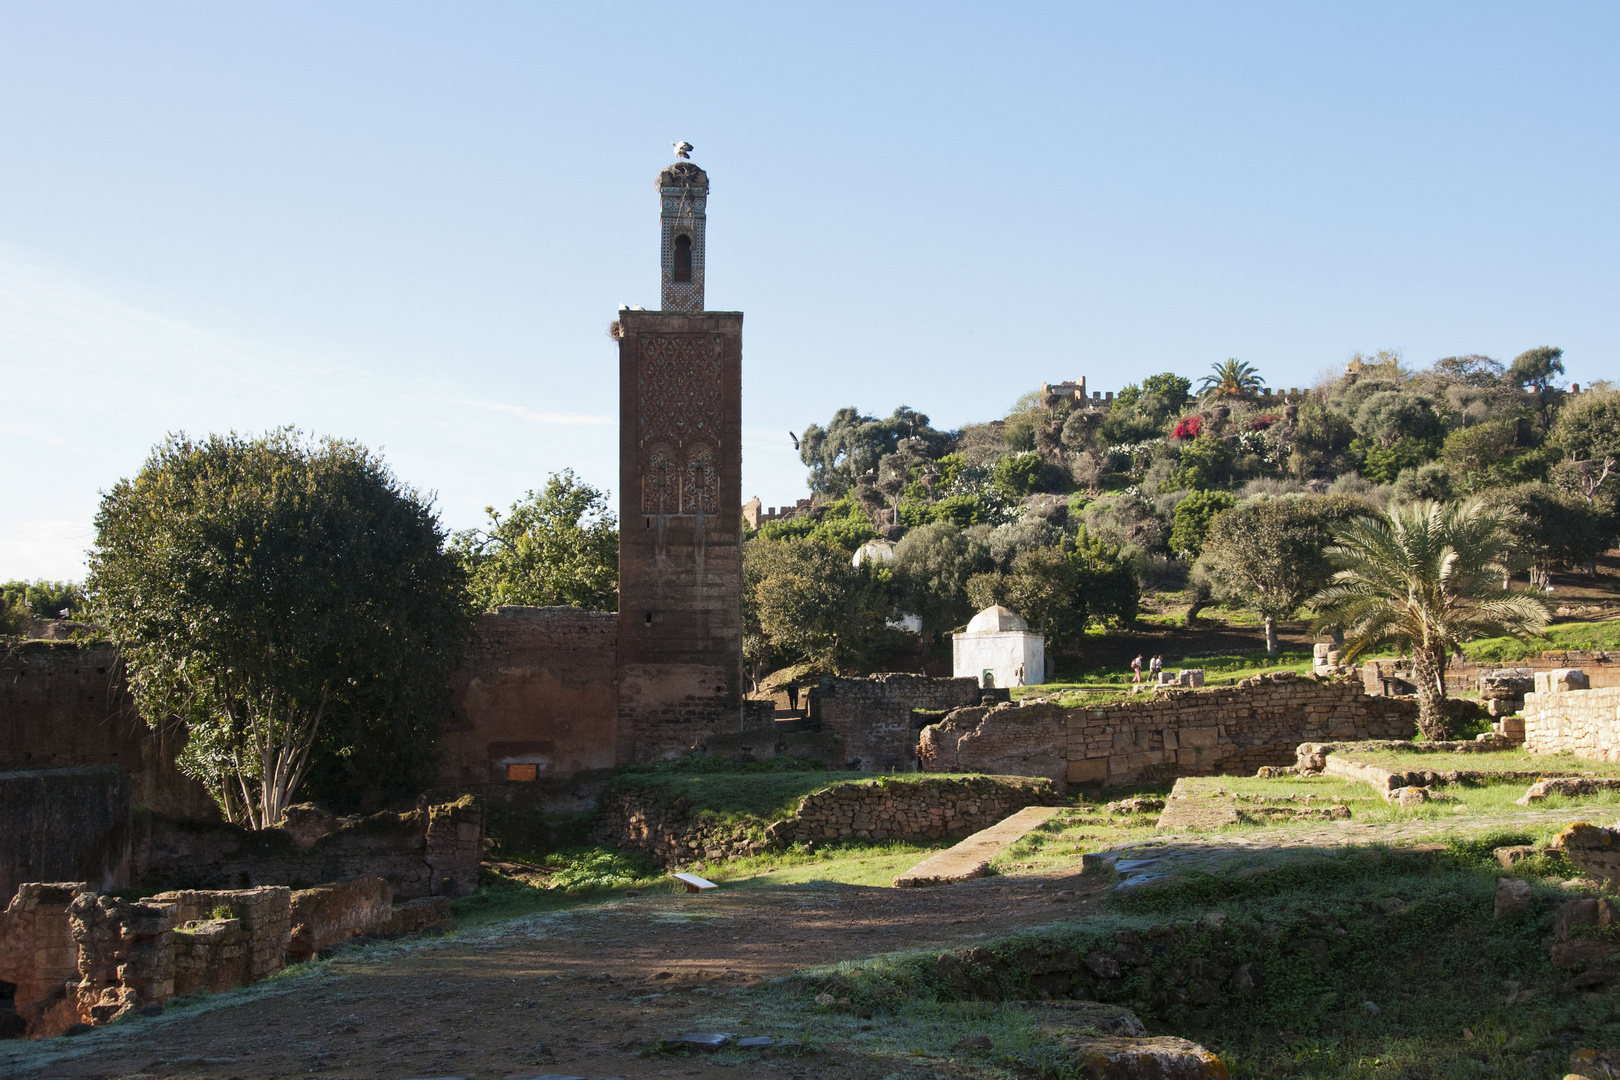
1097, 686
1412, 934
759, 797
1489, 760
1565, 635
1061, 840
856, 862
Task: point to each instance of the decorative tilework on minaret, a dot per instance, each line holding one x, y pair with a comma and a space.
684, 191
680, 674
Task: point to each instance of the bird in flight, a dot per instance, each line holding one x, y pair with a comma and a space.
683, 149
795, 439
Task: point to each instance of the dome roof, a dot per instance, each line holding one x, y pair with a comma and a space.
880, 551
996, 619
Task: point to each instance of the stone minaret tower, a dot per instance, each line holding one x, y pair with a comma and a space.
684, 190
680, 498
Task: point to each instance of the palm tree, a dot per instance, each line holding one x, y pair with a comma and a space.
1426, 577
1232, 378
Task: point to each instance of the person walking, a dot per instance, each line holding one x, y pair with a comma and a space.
793, 695
1136, 669
1156, 666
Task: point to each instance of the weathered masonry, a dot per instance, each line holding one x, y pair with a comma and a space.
535, 697
1564, 715
680, 482
1175, 733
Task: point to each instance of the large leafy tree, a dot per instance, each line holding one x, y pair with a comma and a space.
1268, 553
932, 564
851, 445
1588, 430
1551, 528
291, 606
1061, 589
1427, 578
806, 601
1536, 371
1231, 378
1191, 520
556, 547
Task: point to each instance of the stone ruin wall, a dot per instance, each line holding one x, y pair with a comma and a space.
1174, 733
72, 824
537, 688
1585, 723
64, 703
873, 716
664, 827
75, 956
430, 851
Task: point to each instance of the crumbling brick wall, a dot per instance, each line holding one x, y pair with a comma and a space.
126, 955
328, 914
64, 703
1585, 723
1173, 733
39, 956
537, 688
874, 715
432, 851
662, 824
73, 824
243, 947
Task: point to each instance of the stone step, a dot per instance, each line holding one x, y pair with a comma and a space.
971, 858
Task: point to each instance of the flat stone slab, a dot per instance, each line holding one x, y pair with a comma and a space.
971, 858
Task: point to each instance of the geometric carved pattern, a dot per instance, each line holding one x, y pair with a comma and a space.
700, 492
660, 488
678, 410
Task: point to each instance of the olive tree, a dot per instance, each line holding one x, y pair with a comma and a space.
284, 603
807, 601
1269, 553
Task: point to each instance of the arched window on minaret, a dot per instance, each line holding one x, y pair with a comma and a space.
683, 259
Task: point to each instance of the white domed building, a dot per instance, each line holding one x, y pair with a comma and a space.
999, 649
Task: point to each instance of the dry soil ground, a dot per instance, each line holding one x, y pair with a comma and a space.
571, 993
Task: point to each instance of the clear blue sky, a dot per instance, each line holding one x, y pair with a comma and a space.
410, 224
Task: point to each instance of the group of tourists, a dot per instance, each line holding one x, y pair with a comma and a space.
1155, 666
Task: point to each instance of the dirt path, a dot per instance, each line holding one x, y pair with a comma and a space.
574, 993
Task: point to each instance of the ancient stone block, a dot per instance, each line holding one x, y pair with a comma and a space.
1087, 770
328, 914
39, 957
1562, 680
126, 956
264, 918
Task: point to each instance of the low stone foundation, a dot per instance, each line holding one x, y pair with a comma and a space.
39, 956
433, 851
328, 914
1172, 734
126, 955
663, 826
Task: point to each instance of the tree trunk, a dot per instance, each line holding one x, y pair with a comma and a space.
1272, 647
1433, 720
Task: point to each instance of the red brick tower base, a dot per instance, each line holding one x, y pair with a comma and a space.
680, 543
